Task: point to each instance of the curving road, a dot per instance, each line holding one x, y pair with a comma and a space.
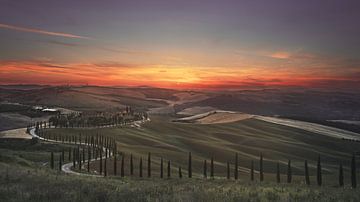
66, 168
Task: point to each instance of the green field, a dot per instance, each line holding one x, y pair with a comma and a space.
172, 141
25, 176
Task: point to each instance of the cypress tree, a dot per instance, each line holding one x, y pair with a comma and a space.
89, 159
212, 168
100, 163
161, 168
169, 169
105, 168
62, 155
52, 160
228, 170
261, 168
236, 167
189, 166
60, 162
319, 174
180, 173
79, 159
353, 172
205, 169
149, 164
74, 155
307, 178
341, 176
252, 171
115, 165
289, 173
131, 165
83, 155
123, 165
140, 168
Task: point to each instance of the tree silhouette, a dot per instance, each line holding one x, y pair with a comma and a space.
105, 168
60, 162
131, 165
307, 178
140, 168
161, 168
289, 173
52, 160
212, 168
89, 159
205, 169
341, 176
169, 170
180, 173
319, 174
115, 165
122, 171
353, 172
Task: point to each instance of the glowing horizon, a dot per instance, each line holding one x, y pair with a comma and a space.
176, 44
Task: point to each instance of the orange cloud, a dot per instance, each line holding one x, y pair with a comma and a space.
280, 55
39, 31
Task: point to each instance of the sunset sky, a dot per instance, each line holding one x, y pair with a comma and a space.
180, 43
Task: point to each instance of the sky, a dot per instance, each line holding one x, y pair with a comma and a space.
181, 44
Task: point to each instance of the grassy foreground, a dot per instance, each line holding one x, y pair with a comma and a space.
25, 176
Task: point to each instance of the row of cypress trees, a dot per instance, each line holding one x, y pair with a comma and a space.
236, 172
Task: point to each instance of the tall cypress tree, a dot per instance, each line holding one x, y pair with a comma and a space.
205, 169
101, 167
140, 168
161, 168
353, 172
319, 174
62, 155
105, 167
180, 173
236, 166
228, 170
122, 165
307, 177
189, 166
278, 172
169, 169
83, 155
261, 168
115, 164
79, 158
289, 173
149, 164
60, 162
74, 157
341, 176
52, 160
212, 168
131, 165
89, 159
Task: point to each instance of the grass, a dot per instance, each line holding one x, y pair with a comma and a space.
249, 138
35, 181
